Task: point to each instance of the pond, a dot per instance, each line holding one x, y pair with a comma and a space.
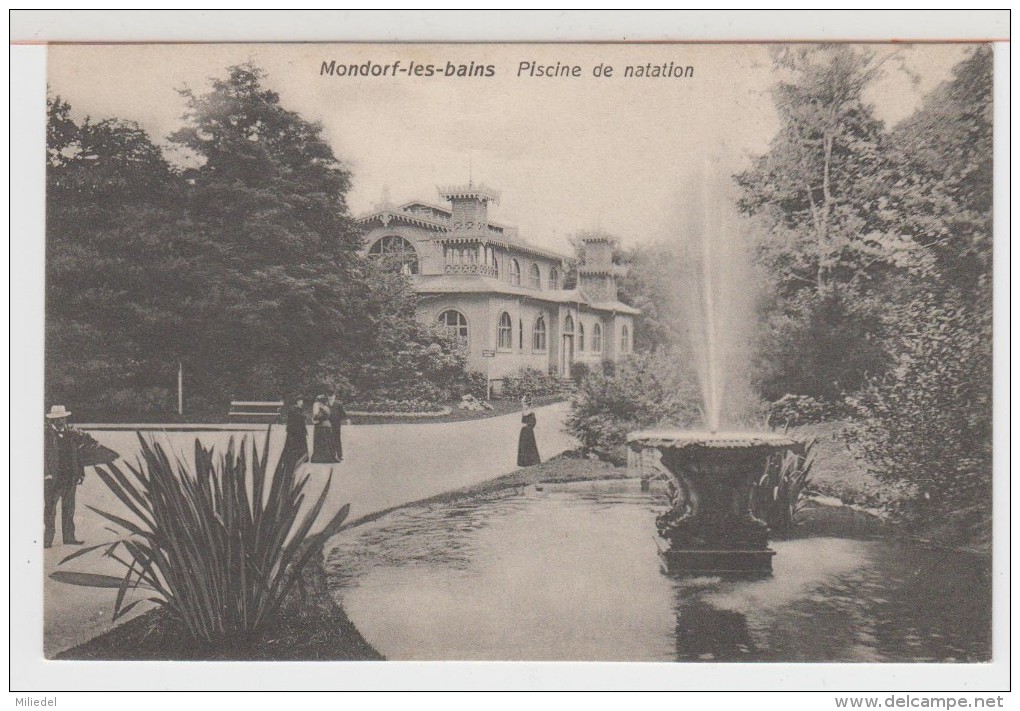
571, 572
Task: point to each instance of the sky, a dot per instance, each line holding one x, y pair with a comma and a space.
569, 154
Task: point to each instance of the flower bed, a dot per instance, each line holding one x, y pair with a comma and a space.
403, 408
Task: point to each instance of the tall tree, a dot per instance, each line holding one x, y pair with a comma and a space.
268, 198
811, 188
109, 213
821, 238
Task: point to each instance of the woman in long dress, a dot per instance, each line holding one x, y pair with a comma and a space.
527, 448
337, 419
323, 440
295, 449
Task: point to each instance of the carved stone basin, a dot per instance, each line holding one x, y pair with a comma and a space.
709, 527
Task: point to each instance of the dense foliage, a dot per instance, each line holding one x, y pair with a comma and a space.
879, 251
241, 268
928, 422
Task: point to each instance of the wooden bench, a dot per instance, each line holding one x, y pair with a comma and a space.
255, 411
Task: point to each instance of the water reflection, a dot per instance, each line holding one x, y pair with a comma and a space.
572, 573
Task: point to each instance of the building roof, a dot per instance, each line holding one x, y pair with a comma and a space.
437, 219
479, 284
478, 192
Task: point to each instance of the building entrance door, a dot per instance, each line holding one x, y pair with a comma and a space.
568, 355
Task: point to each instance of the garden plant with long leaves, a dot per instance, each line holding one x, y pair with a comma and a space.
220, 544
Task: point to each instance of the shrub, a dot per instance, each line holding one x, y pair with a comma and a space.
218, 559
579, 371
645, 390
475, 383
531, 382
928, 423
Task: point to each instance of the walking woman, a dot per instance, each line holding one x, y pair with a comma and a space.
527, 448
323, 440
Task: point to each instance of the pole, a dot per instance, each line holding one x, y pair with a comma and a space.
180, 388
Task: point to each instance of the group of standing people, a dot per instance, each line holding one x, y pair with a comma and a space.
328, 416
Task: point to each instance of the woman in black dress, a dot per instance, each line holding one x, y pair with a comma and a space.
295, 449
337, 420
527, 449
323, 441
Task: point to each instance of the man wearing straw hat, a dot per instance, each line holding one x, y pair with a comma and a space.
64, 471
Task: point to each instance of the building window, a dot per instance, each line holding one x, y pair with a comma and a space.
520, 333
580, 336
596, 338
397, 252
538, 335
515, 272
554, 279
455, 323
624, 340
536, 277
506, 331
495, 265
568, 325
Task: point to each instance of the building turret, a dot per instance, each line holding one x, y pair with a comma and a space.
469, 205
596, 276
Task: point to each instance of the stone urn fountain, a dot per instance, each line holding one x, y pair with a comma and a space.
709, 527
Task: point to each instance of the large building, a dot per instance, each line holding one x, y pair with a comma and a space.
502, 295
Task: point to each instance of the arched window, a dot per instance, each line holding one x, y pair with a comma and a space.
515, 272
506, 331
554, 279
538, 335
395, 251
596, 338
624, 339
455, 322
568, 325
495, 265
580, 336
535, 282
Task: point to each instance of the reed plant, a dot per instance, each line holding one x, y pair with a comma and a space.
778, 495
219, 544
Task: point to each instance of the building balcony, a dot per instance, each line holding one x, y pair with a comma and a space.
483, 269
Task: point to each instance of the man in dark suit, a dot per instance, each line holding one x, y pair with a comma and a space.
66, 450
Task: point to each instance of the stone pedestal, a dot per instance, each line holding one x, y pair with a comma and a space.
709, 527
